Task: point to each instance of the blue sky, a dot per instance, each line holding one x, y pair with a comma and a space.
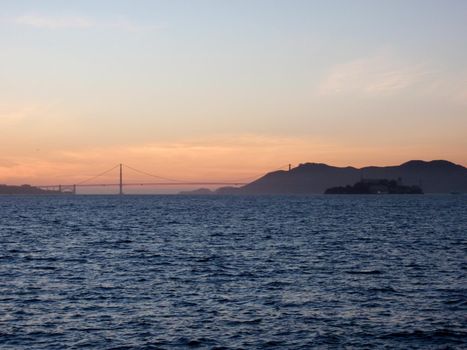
344, 82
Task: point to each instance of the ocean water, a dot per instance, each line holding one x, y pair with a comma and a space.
175, 272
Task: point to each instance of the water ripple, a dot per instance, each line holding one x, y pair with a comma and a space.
164, 272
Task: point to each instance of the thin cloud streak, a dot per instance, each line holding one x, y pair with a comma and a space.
22, 115
385, 74
41, 21
378, 75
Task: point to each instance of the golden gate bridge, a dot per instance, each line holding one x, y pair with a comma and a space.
120, 184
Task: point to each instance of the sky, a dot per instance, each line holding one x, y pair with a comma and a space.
216, 90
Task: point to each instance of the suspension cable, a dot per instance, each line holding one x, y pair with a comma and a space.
152, 175
96, 176
177, 180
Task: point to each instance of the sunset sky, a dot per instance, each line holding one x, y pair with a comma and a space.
227, 90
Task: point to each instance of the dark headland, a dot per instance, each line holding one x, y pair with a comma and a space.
437, 176
24, 189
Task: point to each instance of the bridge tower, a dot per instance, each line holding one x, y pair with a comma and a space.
121, 180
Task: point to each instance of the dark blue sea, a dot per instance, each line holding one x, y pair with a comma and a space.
176, 272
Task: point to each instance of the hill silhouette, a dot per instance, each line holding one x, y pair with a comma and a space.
24, 189
437, 176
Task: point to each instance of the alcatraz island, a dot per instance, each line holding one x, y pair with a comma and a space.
376, 186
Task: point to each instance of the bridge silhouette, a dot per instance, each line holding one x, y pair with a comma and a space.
120, 184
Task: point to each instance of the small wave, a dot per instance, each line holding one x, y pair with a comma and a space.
278, 284
383, 290
272, 343
245, 322
174, 222
7, 257
206, 258
456, 302
194, 343
436, 335
364, 272
123, 241
14, 250
45, 268
33, 258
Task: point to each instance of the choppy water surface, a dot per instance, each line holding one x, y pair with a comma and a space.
150, 272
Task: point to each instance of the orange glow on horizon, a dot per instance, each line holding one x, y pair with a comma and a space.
219, 159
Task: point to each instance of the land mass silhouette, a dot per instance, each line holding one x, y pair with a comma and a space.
24, 189
437, 176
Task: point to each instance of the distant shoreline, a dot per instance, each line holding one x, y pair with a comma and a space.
25, 190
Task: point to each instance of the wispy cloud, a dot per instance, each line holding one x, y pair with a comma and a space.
461, 90
41, 21
379, 74
28, 114
37, 20
13, 115
5, 163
